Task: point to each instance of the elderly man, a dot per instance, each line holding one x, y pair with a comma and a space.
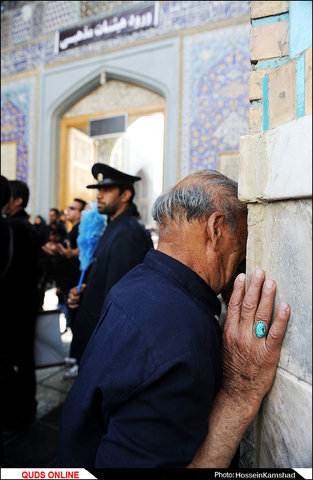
152, 375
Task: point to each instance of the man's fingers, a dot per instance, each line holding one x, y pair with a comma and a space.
276, 332
75, 305
74, 296
235, 302
265, 308
252, 297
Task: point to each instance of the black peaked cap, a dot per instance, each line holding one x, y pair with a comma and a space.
109, 176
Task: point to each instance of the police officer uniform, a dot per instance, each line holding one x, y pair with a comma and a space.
123, 245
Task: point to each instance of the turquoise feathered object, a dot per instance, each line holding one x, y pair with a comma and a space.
91, 228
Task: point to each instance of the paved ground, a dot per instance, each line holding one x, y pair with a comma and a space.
35, 446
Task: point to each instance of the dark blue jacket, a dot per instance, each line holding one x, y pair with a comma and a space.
122, 246
149, 374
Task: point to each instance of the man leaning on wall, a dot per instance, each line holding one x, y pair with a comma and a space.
158, 385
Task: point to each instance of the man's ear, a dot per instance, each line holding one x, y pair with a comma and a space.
126, 195
215, 225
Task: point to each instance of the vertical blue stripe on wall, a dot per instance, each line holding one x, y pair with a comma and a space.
265, 102
300, 82
300, 27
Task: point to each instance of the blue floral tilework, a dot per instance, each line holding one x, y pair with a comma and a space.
59, 14
216, 68
5, 30
21, 26
177, 15
17, 123
38, 18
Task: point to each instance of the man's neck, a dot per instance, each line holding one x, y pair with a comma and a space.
121, 210
15, 210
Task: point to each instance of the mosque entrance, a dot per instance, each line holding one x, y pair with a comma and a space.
139, 150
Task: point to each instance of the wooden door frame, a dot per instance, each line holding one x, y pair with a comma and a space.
81, 121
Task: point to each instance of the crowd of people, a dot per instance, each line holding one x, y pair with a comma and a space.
37, 256
159, 384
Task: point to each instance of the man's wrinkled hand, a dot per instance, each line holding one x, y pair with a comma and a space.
250, 362
74, 296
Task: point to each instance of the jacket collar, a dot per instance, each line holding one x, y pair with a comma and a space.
185, 277
120, 217
20, 214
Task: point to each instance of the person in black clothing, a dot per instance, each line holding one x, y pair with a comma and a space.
57, 233
6, 239
54, 216
19, 309
54, 221
41, 226
46, 279
67, 271
6, 248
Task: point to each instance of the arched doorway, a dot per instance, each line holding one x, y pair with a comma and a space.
141, 147
154, 66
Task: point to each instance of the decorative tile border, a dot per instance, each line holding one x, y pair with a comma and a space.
18, 100
216, 68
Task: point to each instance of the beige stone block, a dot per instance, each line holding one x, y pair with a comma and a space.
278, 163
280, 240
256, 89
269, 41
267, 8
256, 119
308, 81
285, 424
253, 168
282, 94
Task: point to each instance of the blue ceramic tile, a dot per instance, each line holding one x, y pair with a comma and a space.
18, 103
215, 112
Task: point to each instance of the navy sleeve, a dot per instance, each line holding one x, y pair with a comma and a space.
112, 367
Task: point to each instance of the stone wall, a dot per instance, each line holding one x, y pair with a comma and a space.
276, 182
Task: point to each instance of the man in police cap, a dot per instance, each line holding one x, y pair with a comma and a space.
123, 245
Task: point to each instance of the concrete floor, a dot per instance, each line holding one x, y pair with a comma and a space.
35, 446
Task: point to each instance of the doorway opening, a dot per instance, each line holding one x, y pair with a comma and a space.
137, 151
141, 150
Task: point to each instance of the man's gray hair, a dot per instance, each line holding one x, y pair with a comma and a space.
197, 197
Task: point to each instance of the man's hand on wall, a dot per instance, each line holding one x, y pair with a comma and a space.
249, 366
249, 362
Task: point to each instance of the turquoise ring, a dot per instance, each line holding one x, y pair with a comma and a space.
260, 329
